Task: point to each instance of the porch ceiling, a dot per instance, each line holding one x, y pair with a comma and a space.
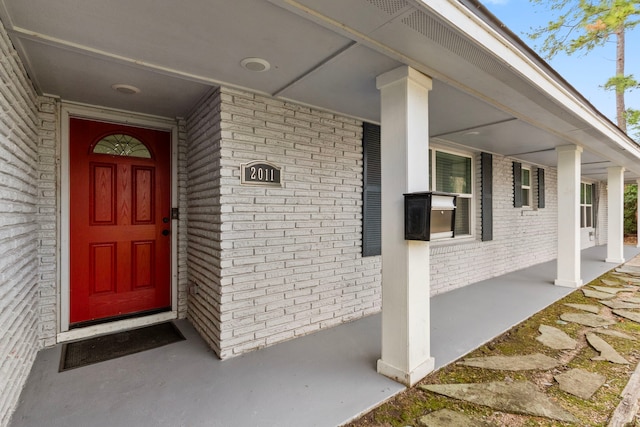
325, 53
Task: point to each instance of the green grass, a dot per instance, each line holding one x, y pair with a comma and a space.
408, 407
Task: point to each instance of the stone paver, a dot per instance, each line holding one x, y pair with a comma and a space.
587, 319
607, 289
616, 334
606, 351
628, 279
631, 315
517, 397
631, 271
512, 363
585, 307
580, 383
523, 397
449, 418
555, 338
616, 304
589, 293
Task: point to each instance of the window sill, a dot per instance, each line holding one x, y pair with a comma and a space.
444, 247
528, 211
454, 241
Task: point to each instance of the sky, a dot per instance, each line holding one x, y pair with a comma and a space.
587, 73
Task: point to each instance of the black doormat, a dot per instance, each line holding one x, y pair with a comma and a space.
99, 349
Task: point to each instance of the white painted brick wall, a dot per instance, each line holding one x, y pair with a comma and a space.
275, 263
287, 260
183, 278
270, 264
19, 232
521, 236
203, 218
47, 221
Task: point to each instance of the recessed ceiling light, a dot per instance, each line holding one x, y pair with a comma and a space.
255, 64
125, 89
472, 133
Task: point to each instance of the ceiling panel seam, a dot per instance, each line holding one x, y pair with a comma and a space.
55, 42
393, 53
436, 31
320, 65
484, 125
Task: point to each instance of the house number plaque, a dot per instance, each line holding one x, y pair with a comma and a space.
260, 173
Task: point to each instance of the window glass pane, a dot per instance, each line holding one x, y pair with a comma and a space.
526, 177
588, 217
582, 216
453, 173
525, 197
582, 189
463, 216
587, 194
122, 145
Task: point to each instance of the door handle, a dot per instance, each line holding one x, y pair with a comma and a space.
165, 232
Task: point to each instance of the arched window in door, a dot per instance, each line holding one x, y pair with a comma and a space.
122, 145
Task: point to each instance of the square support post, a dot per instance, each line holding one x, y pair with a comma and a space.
406, 352
569, 216
615, 212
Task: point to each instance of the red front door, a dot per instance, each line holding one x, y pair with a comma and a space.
120, 208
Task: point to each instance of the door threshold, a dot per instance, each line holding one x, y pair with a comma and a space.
146, 313
116, 326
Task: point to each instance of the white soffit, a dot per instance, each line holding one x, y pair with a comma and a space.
324, 53
357, 68
202, 40
592, 165
452, 111
513, 135
404, 30
445, 40
85, 78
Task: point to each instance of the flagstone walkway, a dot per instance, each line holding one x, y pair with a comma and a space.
613, 302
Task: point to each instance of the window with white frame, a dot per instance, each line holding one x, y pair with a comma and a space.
452, 173
526, 186
586, 205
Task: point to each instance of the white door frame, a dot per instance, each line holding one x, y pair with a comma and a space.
69, 110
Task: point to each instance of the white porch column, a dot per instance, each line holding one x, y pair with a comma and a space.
615, 213
569, 216
638, 213
406, 351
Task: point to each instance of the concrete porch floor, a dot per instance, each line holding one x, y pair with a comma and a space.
324, 379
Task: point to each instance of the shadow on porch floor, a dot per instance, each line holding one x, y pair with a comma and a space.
323, 379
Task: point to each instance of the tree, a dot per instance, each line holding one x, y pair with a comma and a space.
582, 25
630, 209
